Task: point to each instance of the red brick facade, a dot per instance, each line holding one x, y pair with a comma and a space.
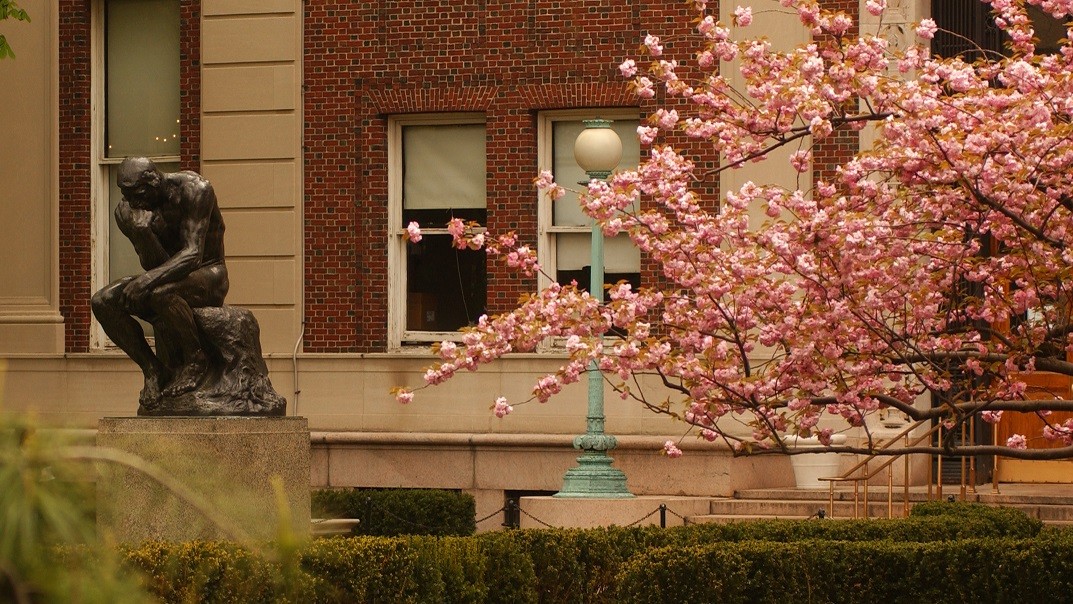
507, 60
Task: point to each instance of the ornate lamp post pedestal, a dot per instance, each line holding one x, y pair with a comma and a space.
597, 150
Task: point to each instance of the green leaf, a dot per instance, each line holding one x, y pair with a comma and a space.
5, 50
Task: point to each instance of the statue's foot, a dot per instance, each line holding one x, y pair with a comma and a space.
150, 396
188, 377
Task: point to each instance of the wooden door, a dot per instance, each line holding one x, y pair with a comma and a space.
1041, 385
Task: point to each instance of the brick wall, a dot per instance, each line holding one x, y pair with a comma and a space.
74, 149
509, 60
76, 156
844, 142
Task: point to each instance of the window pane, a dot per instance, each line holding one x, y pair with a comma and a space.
443, 166
142, 59
445, 287
566, 210
622, 259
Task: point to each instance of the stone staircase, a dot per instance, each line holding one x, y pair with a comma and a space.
1053, 504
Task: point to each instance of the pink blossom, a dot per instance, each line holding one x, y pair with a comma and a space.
628, 68
876, 7
647, 134
544, 180
991, 417
1017, 441
644, 88
671, 450
926, 29
501, 408
413, 232
457, 228
743, 16
653, 45
801, 160
404, 395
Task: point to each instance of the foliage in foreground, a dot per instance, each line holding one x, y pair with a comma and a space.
49, 550
949, 553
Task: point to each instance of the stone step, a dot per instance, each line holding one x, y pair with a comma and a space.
1051, 508
841, 494
791, 508
729, 518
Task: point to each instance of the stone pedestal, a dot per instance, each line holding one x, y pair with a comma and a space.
229, 462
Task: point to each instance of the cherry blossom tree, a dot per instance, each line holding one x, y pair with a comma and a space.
935, 265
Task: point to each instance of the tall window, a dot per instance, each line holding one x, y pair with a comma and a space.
565, 231
136, 87
437, 172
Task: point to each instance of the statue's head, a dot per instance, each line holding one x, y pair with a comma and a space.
139, 180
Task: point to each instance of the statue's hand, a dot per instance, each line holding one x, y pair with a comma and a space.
136, 294
131, 220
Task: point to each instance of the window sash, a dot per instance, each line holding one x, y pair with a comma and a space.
444, 166
563, 218
421, 149
141, 78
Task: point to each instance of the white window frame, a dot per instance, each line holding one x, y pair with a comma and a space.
100, 164
398, 335
547, 251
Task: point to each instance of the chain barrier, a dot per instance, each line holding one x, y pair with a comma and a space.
513, 506
674, 513
489, 516
537, 520
387, 512
646, 517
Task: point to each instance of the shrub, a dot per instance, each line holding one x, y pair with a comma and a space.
971, 570
937, 557
214, 572
1001, 520
389, 512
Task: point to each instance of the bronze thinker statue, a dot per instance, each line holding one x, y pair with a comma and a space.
208, 356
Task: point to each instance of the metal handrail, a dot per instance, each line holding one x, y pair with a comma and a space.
868, 474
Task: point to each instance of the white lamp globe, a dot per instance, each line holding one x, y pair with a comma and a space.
598, 148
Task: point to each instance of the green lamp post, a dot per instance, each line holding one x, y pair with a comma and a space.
597, 150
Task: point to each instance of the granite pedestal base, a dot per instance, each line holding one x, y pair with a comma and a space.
230, 462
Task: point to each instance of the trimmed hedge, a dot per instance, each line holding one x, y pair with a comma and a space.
969, 571
391, 512
925, 558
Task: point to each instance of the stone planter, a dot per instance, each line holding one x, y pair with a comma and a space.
809, 468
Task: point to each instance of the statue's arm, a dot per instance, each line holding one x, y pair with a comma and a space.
198, 201
136, 224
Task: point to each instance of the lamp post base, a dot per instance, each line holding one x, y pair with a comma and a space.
594, 478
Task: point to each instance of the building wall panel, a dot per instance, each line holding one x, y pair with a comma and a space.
247, 7
249, 136
261, 281
250, 88
252, 233
250, 39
